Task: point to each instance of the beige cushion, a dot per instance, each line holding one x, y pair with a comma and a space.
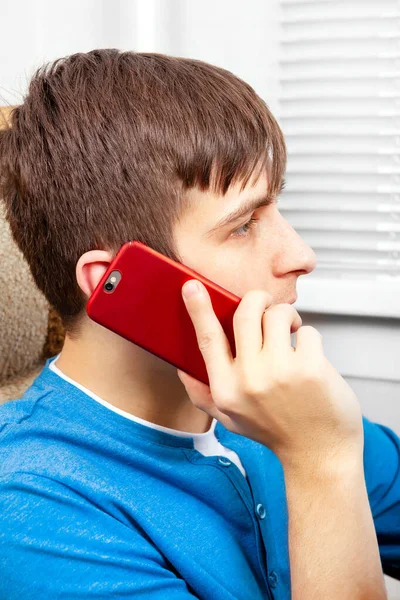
24, 319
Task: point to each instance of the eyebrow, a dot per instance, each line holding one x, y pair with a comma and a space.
248, 206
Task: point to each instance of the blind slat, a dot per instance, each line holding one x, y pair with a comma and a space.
339, 81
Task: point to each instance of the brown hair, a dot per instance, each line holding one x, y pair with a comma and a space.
103, 148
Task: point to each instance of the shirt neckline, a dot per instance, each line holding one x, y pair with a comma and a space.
116, 424
197, 436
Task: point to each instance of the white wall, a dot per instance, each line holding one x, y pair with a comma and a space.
36, 32
237, 35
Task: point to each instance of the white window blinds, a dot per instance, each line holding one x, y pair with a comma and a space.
339, 99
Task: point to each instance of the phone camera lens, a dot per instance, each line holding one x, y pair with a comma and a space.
109, 286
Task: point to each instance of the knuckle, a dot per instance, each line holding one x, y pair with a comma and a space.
251, 388
252, 385
206, 340
314, 374
242, 319
242, 313
280, 306
283, 309
311, 381
251, 297
255, 390
312, 330
226, 403
309, 328
256, 293
281, 379
286, 307
222, 401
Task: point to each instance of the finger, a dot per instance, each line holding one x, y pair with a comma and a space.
211, 338
309, 341
278, 321
200, 395
247, 325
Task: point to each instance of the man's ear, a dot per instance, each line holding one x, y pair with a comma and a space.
90, 268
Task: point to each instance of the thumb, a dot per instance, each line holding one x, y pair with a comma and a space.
196, 390
200, 395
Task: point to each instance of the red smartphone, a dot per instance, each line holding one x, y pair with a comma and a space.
140, 298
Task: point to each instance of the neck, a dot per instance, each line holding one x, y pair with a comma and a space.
131, 379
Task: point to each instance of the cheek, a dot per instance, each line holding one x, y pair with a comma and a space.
240, 271
237, 265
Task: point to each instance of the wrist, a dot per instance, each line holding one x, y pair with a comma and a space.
325, 465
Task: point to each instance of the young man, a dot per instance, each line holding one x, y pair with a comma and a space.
116, 479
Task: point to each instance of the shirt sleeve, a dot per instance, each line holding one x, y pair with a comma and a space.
382, 477
56, 543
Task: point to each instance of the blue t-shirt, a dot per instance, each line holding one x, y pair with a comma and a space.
94, 505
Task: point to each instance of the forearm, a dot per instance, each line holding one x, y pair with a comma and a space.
333, 548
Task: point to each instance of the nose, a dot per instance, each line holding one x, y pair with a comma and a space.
294, 253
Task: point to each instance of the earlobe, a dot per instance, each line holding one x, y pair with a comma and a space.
90, 268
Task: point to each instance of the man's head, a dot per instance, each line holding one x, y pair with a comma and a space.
113, 146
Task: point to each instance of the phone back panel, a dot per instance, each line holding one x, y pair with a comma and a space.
147, 307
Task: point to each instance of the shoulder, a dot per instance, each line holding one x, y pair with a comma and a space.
19, 413
34, 435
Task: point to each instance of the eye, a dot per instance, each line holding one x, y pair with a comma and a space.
244, 230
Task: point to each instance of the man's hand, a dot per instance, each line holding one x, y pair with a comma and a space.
297, 404
291, 400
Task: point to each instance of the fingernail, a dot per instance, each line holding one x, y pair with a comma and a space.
190, 288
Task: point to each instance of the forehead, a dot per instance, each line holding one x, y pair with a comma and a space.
209, 206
